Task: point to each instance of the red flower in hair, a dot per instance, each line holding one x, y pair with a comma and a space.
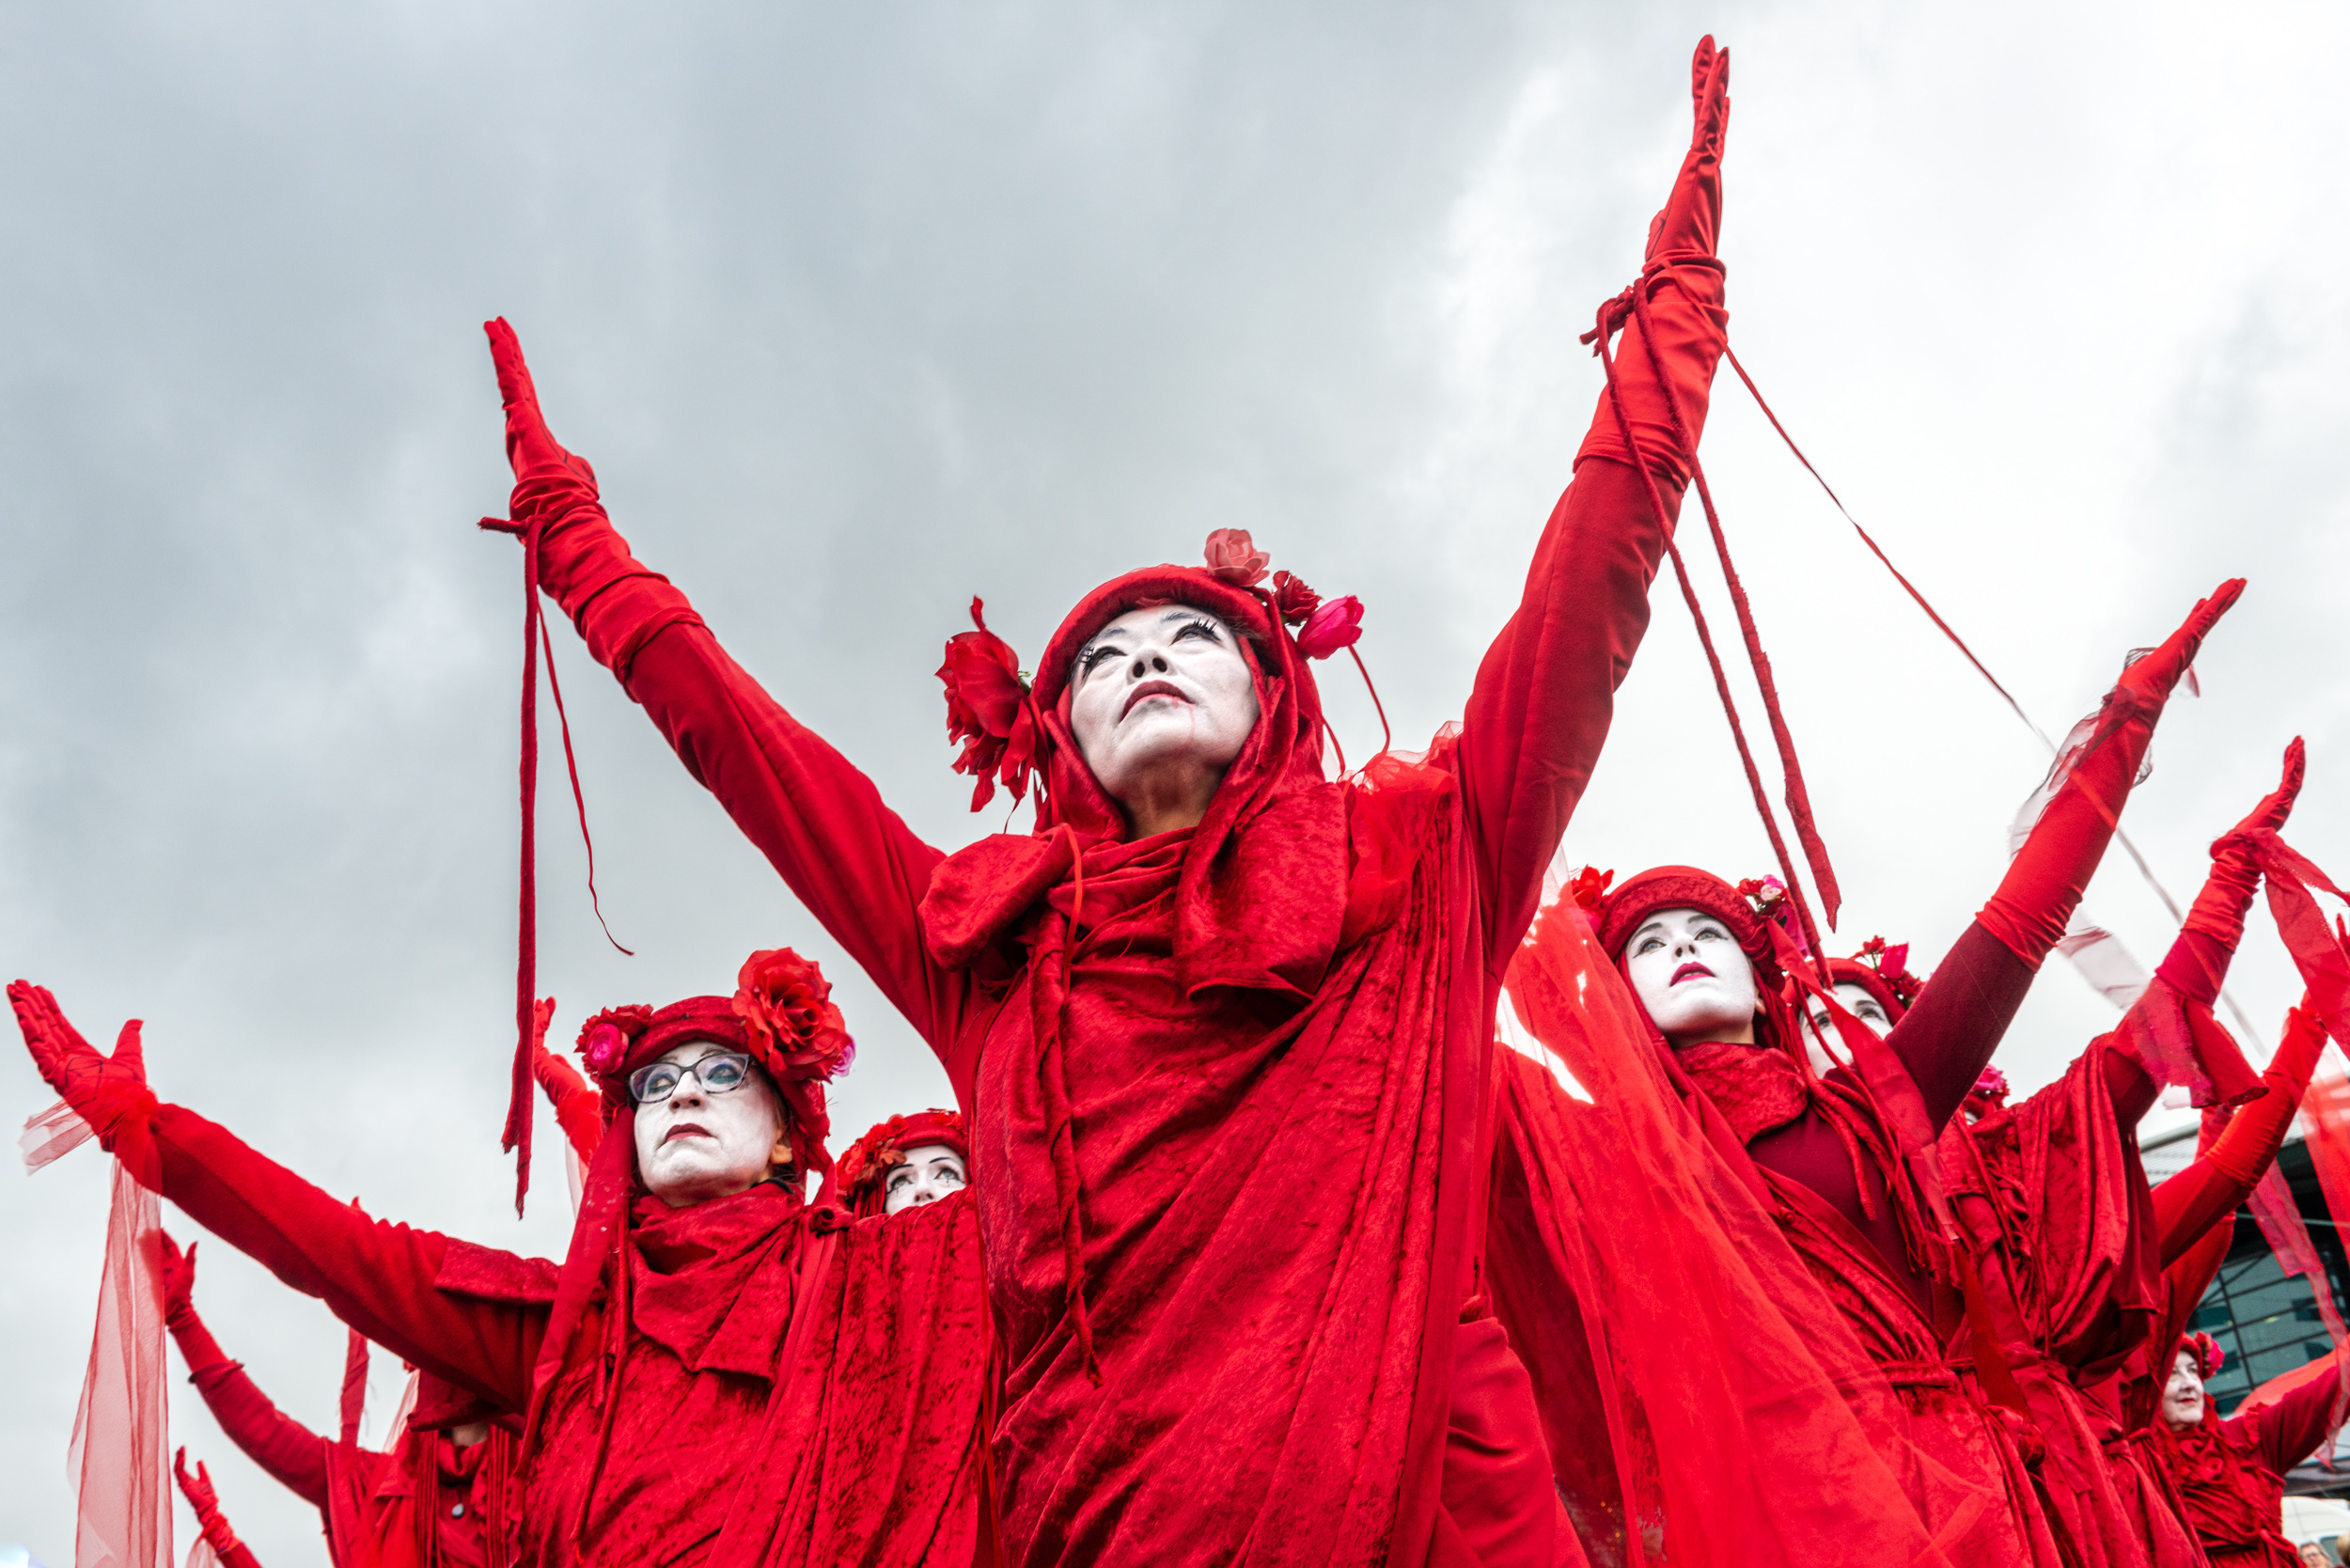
1589, 886
787, 1004
603, 1039
1291, 599
1892, 967
1233, 556
988, 711
1337, 624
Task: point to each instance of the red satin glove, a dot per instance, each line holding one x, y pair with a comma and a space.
108, 1092
531, 449
2258, 1130
578, 1107
1681, 281
2043, 885
2197, 962
197, 1489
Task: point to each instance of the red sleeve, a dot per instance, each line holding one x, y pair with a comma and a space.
239, 1555
1546, 691
1947, 1036
2286, 1432
377, 1277
858, 868
2224, 1174
293, 1455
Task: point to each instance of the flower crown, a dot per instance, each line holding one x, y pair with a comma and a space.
1768, 895
991, 706
1892, 967
781, 1010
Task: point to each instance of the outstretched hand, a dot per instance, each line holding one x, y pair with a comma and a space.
531, 448
2153, 676
2270, 814
179, 1276
102, 1088
198, 1487
1690, 222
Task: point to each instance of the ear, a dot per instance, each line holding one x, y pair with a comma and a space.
779, 1153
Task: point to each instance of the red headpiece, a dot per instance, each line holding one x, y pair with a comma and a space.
2208, 1356
1883, 972
782, 1015
1621, 913
864, 1170
1013, 726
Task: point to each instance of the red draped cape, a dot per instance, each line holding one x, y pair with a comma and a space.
2231, 1474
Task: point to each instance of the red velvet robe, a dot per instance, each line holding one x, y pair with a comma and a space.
2231, 1474
1278, 1355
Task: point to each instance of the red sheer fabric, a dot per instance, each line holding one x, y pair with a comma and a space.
1754, 1428
121, 1428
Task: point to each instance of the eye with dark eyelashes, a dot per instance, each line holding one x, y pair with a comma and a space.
1207, 629
1091, 658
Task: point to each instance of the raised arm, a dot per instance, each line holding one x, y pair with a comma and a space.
376, 1278
2191, 973
293, 1455
2224, 1175
578, 1109
1546, 693
820, 821
2286, 1432
1945, 1039
197, 1489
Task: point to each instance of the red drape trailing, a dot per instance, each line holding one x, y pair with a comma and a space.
1707, 1403
118, 1455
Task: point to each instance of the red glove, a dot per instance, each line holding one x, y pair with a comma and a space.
531, 449
197, 1489
2197, 962
2043, 886
108, 1092
179, 1281
578, 1107
2252, 1138
1687, 316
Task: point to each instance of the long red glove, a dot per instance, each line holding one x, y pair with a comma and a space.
196, 1345
2208, 1190
294, 1456
1683, 281
2043, 886
197, 1489
108, 1092
2197, 964
578, 1107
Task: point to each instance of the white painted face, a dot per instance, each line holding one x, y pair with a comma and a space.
931, 1171
1693, 978
696, 1146
2182, 1396
1161, 702
1857, 1003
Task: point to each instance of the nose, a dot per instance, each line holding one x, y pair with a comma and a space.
1148, 663
688, 1091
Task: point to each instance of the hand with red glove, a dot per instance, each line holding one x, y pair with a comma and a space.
179, 1281
1681, 283
2043, 886
2197, 965
197, 1489
531, 449
578, 1107
108, 1092
2221, 1178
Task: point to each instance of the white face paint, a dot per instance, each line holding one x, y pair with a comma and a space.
1693, 978
696, 1146
2182, 1396
1161, 702
931, 1172
1857, 1003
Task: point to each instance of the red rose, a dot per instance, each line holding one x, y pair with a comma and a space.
988, 711
604, 1040
1589, 886
786, 1002
1233, 556
1291, 599
1337, 624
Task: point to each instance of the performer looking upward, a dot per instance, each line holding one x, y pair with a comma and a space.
2231, 1474
1207, 961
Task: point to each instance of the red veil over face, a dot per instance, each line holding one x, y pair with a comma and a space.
1633, 1252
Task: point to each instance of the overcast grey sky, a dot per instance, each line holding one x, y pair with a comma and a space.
860, 310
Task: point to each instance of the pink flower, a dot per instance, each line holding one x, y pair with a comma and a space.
1337, 624
988, 711
1233, 556
604, 1040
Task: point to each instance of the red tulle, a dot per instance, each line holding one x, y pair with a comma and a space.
119, 1455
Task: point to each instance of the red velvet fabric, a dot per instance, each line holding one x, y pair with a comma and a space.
2231, 1474
1309, 937
1752, 1426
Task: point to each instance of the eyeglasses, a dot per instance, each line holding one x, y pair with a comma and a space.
719, 1073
